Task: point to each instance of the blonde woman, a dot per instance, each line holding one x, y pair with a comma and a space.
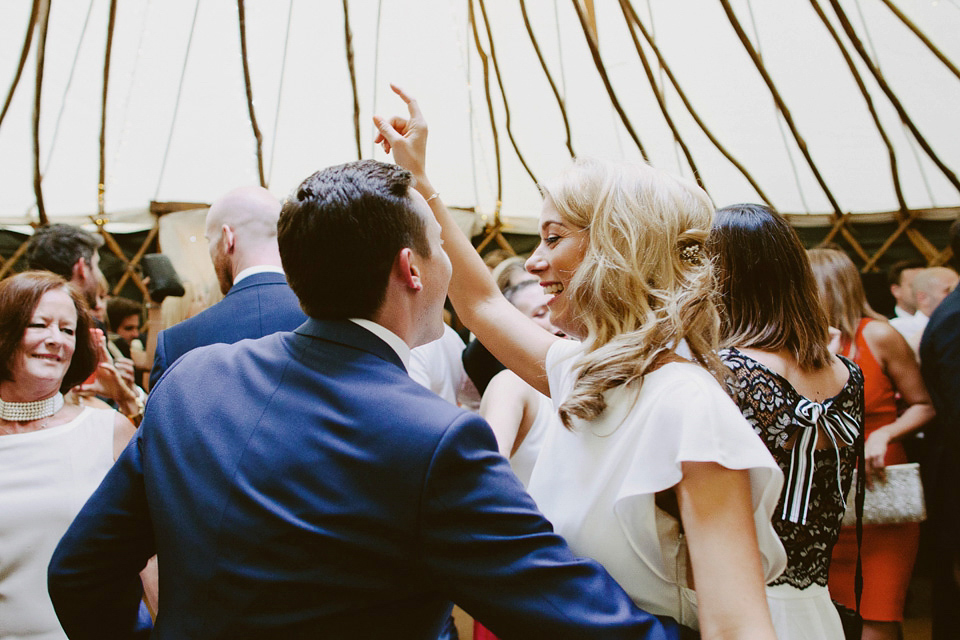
889, 370
655, 464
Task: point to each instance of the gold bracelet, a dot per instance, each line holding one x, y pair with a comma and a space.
435, 194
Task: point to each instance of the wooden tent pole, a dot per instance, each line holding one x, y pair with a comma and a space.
861, 50
493, 121
348, 39
652, 81
598, 62
23, 57
249, 88
693, 112
923, 38
546, 72
788, 118
37, 176
111, 23
503, 93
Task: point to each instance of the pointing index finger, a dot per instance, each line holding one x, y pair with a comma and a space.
411, 102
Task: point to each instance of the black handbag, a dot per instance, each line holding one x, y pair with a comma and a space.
850, 619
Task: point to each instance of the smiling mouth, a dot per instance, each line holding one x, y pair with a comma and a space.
553, 288
47, 356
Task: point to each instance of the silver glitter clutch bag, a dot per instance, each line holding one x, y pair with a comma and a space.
896, 499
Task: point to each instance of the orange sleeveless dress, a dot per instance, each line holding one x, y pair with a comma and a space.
888, 550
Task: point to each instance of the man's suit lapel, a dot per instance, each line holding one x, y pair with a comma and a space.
349, 334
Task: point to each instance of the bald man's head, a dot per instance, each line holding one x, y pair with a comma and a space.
242, 232
932, 285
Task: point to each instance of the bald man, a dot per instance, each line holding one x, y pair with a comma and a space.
930, 287
241, 232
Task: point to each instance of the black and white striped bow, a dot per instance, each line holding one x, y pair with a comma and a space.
812, 417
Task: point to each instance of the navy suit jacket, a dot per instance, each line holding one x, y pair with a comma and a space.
940, 366
310, 488
257, 306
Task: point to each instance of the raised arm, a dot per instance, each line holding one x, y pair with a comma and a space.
513, 338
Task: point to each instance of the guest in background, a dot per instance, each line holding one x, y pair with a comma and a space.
930, 287
803, 401
242, 233
889, 370
52, 454
900, 277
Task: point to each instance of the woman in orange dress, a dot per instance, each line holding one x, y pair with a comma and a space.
889, 368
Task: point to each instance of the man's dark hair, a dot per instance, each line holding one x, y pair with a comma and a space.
340, 233
57, 247
120, 308
19, 297
897, 268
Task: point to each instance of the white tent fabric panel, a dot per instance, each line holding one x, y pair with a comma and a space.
428, 48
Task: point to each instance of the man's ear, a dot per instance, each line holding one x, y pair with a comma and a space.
407, 269
228, 238
79, 271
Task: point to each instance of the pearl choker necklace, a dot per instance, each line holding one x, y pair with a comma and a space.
26, 411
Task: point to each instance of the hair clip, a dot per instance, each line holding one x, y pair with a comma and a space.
691, 254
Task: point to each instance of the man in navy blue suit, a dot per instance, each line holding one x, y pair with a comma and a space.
241, 232
310, 488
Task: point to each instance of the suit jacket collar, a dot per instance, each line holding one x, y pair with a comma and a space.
349, 334
256, 279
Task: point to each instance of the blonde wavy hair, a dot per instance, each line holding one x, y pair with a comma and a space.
645, 283
841, 291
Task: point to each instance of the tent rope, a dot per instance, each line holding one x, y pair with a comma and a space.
249, 89
503, 93
176, 106
779, 120
283, 73
101, 185
31, 24
788, 119
601, 69
546, 72
376, 69
66, 90
661, 61
921, 140
493, 121
41, 55
652, 80
904, 216
348, 40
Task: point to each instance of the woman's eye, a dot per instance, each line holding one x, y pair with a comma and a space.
69, 331
549, 240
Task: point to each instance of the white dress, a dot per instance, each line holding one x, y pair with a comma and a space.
46, 476
597, 483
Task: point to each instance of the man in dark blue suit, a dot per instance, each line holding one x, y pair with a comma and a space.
241, 231
940, 366
310, 488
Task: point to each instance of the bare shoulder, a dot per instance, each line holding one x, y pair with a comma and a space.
884, 341
123, 431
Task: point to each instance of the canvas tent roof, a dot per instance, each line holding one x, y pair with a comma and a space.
178, 126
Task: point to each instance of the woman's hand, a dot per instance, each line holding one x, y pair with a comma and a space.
406, 138
874, 452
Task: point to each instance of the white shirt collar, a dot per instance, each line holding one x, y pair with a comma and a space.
393, 340
259, 268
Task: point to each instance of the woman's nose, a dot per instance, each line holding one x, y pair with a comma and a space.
534, 263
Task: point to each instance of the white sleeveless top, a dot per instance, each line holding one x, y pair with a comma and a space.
46, 476
525, 457
597, 483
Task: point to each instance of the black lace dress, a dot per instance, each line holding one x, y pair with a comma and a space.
816, 479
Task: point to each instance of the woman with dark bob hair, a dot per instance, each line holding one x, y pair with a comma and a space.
805, 403
52, 454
